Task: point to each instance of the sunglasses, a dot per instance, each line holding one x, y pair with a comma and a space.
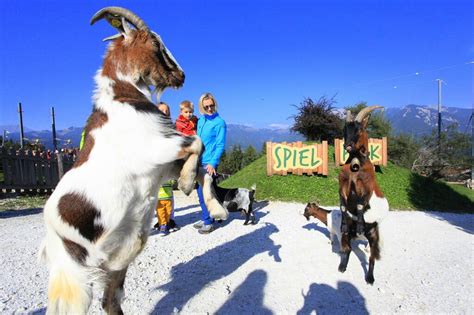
208, 107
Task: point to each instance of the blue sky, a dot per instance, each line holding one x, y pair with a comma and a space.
257, 57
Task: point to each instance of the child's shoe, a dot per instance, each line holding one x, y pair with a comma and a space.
156, 226
163, 230
172, 226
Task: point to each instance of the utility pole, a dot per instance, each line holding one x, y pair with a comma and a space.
20, 112
53, 123
439, 110
4, 136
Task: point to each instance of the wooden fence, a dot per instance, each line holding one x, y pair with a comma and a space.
296, 158
24, 171
377, 151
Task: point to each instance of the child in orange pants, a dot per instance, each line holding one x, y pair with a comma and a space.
164, 208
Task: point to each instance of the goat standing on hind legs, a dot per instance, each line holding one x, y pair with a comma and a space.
99, 216
363, 205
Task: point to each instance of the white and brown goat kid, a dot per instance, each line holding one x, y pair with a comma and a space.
363, 205
330, 218
99, 216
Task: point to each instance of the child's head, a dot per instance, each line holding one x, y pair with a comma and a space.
164, 108
186, 109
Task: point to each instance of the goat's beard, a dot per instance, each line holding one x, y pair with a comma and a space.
158, 92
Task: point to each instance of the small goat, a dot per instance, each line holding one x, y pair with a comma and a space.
236, 199
330, 218
99, 216
363, 205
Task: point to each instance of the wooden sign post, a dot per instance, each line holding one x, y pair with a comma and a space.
296, 158
377, 151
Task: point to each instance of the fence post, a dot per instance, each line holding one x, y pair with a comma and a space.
60, 165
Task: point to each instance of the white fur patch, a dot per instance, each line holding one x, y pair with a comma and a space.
378, 209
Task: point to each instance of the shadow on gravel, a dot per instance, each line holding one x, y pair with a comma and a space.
19, 213
248, 297
463, 222
317, 227
41, 311
187, 207
190, 278
324, 299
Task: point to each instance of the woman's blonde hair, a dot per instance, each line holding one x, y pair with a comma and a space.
203, 97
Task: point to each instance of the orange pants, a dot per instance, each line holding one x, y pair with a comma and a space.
163, 211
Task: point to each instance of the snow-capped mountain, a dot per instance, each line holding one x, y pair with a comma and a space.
419, 120
413, 119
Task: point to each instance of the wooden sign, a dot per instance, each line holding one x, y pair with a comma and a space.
377, 151
296, 158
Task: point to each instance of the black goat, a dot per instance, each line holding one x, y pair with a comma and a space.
237, 199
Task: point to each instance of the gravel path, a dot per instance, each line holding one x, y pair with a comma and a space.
282, 265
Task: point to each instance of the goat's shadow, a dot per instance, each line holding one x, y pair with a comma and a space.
19, 213
355, 244
324, 299
248, 297
188, 279
314, 226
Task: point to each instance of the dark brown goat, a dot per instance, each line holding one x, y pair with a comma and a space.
362, 203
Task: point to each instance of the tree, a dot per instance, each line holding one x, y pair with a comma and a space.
403, 149
448, 157
378, 126
316, 121
250, 155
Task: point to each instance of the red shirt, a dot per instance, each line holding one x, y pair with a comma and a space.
186, 126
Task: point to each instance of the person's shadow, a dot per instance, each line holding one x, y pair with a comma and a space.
248, 297
189, 278
19, 213
324, 299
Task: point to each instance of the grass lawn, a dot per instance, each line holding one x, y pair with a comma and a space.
403, 189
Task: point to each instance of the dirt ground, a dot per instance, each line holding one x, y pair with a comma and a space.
282, 265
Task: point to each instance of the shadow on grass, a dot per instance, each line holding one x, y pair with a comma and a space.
19, 213
428, 194
190, 278
324, 299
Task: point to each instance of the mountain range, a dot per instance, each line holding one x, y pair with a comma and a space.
417, 120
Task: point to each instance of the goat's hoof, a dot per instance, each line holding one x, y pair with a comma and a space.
369, 279
341, 268
185, 187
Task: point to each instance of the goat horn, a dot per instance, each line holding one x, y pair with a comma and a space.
348, 116
365, 111
119, 12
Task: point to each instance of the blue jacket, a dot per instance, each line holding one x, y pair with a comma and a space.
212, 131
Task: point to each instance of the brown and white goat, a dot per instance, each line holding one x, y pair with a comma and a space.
99, 216
363, 205
330, 218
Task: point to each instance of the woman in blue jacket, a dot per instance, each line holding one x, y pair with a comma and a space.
211, 128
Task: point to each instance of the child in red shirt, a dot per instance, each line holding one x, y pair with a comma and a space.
186, 122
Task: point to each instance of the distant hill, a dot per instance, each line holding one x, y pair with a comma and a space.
413, 119
421, 119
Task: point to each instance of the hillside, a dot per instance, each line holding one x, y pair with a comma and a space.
403, 189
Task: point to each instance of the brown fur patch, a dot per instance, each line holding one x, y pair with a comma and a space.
78, 212
78, 252
140, 56
96, 120
125, 92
